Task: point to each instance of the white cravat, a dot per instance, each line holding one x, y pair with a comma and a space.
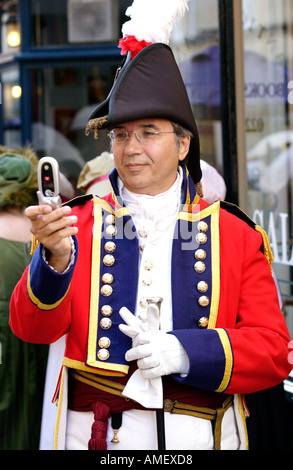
154, 218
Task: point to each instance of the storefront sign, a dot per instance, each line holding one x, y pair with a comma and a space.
263, 90
277, 230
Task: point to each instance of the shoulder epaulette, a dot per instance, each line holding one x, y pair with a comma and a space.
79, 200
235, 210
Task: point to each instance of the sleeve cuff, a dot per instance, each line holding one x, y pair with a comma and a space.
211, 358
47, 288
72, 257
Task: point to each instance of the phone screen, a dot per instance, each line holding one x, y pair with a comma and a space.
47, 180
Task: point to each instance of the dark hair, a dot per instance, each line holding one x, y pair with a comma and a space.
181, 131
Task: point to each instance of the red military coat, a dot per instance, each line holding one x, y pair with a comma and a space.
225, 305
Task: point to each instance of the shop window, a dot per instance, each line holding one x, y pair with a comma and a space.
195, 42
268, 44
63, 99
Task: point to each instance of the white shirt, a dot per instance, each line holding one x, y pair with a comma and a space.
154, 218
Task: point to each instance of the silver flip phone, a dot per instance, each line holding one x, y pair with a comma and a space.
49, 182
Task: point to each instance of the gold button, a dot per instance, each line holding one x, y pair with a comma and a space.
147, 281
108, 260
168, 405
148, 265
202, 287
107, 278
203, 301
105, 323
143, 303
142, 315
104, 342
106, 310
110, 219
203, 322
200, 254
199, 267
202, 226
142, 232
201, 238
110, 247
141, 246
106, 290
103, 354
111, 230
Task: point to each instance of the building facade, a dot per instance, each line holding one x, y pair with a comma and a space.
58, 60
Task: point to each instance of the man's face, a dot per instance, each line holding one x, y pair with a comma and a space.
149, 167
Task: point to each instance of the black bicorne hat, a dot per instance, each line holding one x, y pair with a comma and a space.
150, 86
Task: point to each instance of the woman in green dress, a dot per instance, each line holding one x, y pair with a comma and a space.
22, 365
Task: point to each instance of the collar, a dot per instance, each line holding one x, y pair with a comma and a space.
150, 207
187, 187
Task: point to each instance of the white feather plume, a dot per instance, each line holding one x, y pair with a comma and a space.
153, 20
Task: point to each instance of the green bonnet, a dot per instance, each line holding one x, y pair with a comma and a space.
18, 177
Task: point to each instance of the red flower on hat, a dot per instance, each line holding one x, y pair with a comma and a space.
130, 43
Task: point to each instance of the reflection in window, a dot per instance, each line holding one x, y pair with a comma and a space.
269, 128
63, 99
195, 42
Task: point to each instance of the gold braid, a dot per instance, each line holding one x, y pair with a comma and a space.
95, 124
199, 190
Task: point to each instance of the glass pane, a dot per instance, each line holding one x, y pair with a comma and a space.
269, 132
77, 22
63, 99
195, 42
11, 95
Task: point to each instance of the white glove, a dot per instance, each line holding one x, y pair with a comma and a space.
149, 393
133, 326
157, 353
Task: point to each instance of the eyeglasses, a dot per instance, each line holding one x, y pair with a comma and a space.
143, 134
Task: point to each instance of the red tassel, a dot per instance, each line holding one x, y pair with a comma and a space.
100, 426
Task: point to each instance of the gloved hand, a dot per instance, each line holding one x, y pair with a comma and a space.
157, 353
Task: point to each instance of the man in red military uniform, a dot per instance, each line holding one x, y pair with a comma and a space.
218, 333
